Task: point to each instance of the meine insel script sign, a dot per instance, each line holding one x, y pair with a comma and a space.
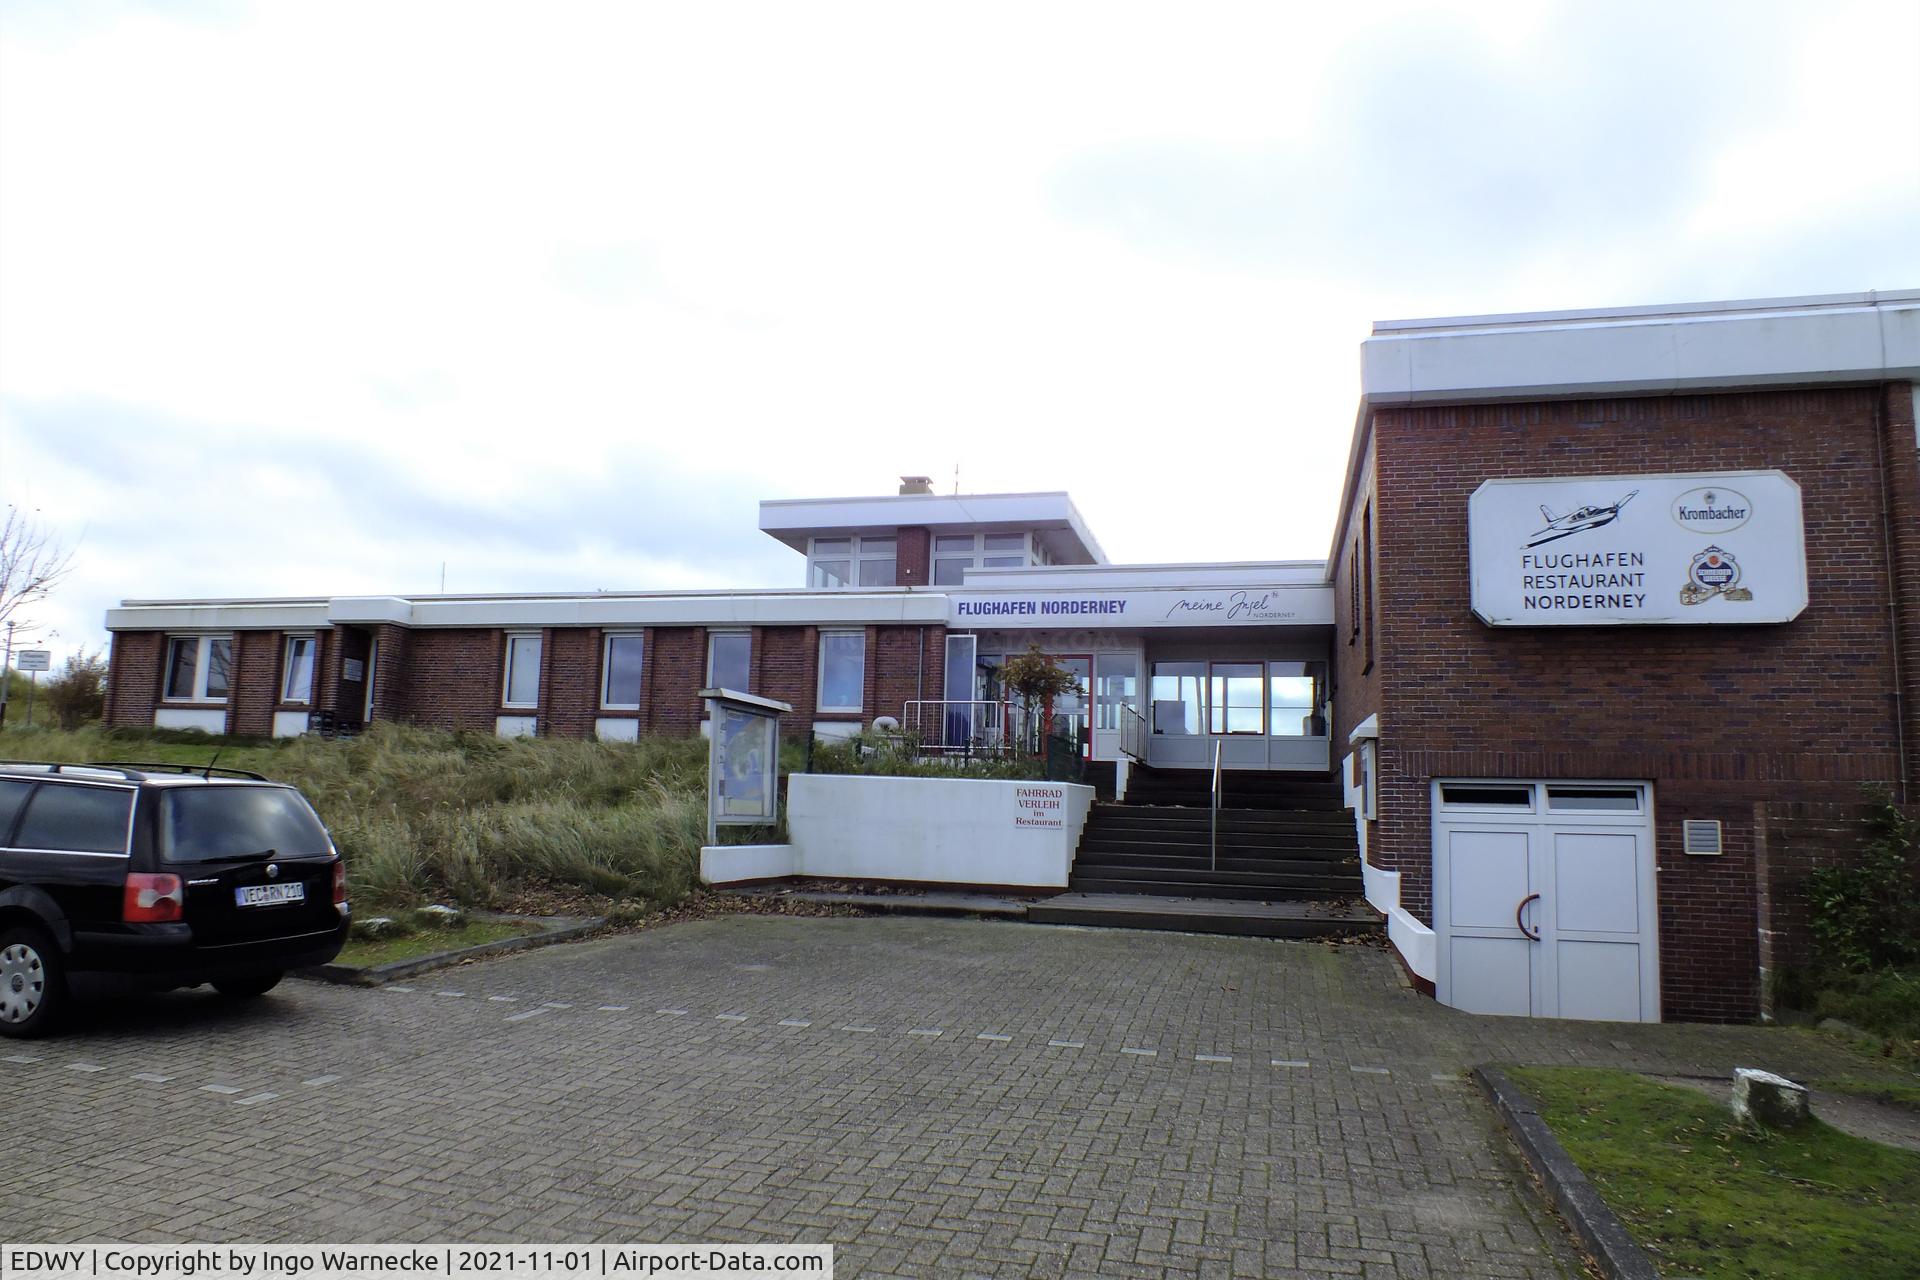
1708, 547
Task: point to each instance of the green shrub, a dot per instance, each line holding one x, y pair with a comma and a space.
899, 757
1867, 916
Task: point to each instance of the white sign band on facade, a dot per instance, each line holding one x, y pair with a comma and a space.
1690, 549
1239, 606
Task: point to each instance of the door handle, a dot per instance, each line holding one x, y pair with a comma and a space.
1519, 916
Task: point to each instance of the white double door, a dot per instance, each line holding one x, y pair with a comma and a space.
1545, 901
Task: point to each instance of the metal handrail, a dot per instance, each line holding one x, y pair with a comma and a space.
1133, 733
1213, 814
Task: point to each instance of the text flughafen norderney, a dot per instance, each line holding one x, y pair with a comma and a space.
414, 1262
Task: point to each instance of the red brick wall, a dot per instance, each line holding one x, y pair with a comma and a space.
1717, 717
390, 673
786, 665
903, 664
1356, 680
676, 662
133, 678
570, 659
453, 679
1902, 462
255, 686
913, 566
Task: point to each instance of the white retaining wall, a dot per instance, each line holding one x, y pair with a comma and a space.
934, 830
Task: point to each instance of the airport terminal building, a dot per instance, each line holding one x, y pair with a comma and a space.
1617, 604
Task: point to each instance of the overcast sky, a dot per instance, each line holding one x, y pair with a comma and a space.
310, 298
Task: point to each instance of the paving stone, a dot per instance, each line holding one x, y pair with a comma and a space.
1050, 1152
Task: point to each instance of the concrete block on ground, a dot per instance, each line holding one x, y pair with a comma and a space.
1768, 1099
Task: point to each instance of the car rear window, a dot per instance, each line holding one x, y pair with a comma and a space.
209, 823
76, 819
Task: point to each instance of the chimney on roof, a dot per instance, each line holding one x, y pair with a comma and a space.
916, 484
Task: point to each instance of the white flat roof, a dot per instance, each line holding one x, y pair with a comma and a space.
1245, 573
1670, 348
1052, 515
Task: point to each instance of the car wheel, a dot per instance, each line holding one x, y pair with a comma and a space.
33, 987
247, 987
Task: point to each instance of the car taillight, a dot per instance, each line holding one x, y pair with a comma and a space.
340, 884
153, 899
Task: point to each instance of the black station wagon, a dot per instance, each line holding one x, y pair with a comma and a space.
154, 877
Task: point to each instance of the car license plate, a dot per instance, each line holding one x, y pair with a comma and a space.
270, 895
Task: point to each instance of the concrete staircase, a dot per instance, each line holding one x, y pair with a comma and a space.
1287, 865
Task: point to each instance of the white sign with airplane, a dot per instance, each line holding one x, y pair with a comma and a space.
1707, 547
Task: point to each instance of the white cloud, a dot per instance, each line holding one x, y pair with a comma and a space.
501, 265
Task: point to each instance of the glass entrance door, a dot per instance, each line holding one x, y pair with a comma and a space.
1070, 717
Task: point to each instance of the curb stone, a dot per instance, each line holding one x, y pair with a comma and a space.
553, 929
1601, 1233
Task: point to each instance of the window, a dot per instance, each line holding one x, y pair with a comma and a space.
76, 819
955, 553
1366, 585
879, 563
843, 670
523, 671
296, 682
1236, 694
13, 794
203, 824
1592, 799
830, 563
1492, 797
730, 660
1296, 692
1179, 697
1369, 767
199, 668
620, 668
1116, 687
833, 563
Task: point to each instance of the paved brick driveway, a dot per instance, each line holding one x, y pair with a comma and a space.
937, 1098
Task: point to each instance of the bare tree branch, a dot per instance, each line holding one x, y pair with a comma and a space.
32, 563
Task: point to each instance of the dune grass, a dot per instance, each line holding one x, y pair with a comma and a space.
1709, 1197
421, 814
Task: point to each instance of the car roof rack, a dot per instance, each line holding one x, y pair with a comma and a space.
204, 770
61, 766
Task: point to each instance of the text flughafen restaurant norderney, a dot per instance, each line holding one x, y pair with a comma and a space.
1705, 547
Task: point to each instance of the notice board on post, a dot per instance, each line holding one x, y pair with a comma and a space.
743, 759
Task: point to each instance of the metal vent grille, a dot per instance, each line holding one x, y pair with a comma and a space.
1700, 836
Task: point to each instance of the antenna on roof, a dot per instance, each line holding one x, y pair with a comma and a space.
956, 479
208, 775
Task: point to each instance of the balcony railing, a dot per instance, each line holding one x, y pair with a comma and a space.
951, 728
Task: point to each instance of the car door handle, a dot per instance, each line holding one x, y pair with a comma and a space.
1519, 914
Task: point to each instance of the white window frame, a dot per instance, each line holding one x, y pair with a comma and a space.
855, 555
202, 659
286, 667
606, 669
506, 675
712, 635
820, 683
976, 557
1367, 761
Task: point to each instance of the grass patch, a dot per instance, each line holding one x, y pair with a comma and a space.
1893, 1093
431, 942
466, 816
1708, 1197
